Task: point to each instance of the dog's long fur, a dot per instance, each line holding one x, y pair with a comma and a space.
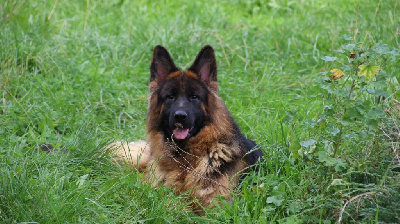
193, 143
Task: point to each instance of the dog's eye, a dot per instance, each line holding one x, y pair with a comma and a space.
170, 97
194, 97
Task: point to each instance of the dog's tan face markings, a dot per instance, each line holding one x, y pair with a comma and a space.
185, 84
188, 74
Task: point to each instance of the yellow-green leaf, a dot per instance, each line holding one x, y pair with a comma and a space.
336, 73
368, 71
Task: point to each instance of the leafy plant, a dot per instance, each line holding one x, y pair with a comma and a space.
357, 90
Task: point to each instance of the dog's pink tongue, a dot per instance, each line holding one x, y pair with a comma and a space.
181, 133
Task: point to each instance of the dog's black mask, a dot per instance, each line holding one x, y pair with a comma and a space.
183, 95
182, 98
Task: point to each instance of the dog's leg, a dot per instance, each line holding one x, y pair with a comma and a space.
137, 154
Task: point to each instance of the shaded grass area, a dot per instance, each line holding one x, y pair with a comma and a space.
76, 74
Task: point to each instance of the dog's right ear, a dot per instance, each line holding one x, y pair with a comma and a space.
205, 66
162, 65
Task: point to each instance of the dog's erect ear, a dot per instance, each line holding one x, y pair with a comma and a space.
205, 65
162, 65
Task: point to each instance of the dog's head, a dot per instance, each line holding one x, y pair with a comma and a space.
182, 96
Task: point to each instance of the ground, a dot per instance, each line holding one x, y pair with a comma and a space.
315, 83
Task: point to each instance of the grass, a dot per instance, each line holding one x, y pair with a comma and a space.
75, 73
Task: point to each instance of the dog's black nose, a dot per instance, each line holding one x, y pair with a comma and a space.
180, 116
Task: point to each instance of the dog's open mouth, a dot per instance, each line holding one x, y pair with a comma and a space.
180, 132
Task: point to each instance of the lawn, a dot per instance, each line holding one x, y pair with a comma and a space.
314, 82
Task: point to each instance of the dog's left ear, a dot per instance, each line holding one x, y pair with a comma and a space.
205, 66
162, 65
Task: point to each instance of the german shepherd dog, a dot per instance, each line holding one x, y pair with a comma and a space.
193, 143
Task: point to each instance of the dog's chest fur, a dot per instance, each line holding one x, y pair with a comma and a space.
206, 170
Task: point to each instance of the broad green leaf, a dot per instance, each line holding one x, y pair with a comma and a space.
295, 207
308, 142
341, 92
334, 131
372, 123
376, 92
347, 37
354, 112
324, 73
346, 68
368, 71
274, 200
376, 112
348, 47
340, 165
323, 157
339, 51
328, 58
380, 48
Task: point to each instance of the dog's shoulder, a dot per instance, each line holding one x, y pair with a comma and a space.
253, 153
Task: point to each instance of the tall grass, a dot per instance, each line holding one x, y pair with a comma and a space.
75, 73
